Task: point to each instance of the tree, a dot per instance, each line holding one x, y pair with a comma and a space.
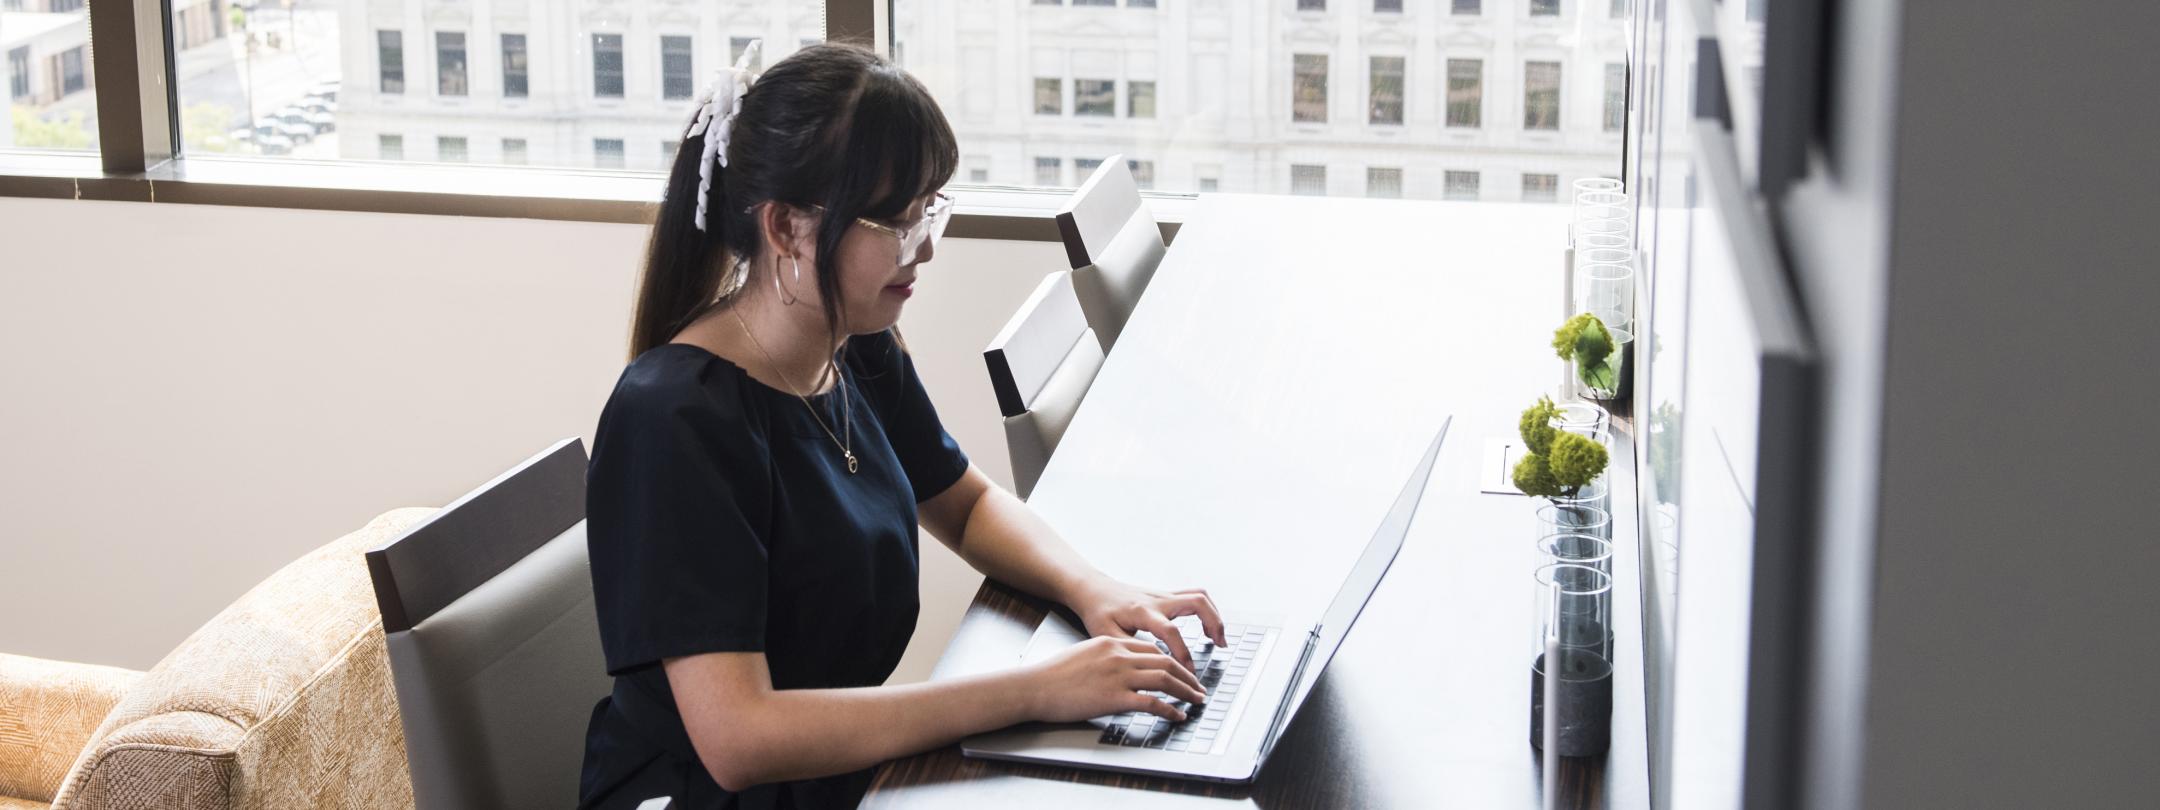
67, 132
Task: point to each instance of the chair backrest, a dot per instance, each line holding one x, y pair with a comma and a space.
494, 645
1041, 365
1113, 244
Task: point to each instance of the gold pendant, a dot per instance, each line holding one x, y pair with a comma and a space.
850, 462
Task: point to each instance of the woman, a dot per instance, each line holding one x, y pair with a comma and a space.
762, 465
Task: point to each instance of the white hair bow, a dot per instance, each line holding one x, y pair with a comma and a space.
717, 107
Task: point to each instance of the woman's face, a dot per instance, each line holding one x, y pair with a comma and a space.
873, 284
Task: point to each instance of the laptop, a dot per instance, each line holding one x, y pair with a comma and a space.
1255, 682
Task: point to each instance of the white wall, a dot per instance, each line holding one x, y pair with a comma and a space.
195, 395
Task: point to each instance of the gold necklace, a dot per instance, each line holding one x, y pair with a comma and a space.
848, 421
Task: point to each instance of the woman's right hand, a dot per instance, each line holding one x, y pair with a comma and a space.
1106, 675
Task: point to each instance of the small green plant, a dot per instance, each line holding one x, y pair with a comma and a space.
1584, 340
1559, 463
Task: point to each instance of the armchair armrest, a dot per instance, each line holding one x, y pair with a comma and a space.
48, 712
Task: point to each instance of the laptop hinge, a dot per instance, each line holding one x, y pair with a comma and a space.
1282, 710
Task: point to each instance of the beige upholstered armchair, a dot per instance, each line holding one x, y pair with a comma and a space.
284, 700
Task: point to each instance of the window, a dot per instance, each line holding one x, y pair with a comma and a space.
1094, 2
390, 54
675, 68
1049, 2
1095, 97
1387, 90
19, 73
1754, 10
1615, 96
1460, 186
1139, 3
736, 47
513, 151
1619, 9
450, 149
1465, 92
1049, 96
1384, 183
390, 147
1541, 95
1140, 99
978, 175
1544, 8
607, 66
1308, 88
1308, 181
1143, 172
1540, 188
450, 63
1063, 82
1312, 5
1084, 168
514, 66
71, 71
608, 153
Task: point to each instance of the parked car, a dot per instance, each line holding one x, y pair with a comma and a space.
322, 121
299, 133
327, 90
318, 104
298, 116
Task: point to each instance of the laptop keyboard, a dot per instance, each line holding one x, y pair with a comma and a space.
1222, 670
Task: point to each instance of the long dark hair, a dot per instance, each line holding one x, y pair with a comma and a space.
832, 125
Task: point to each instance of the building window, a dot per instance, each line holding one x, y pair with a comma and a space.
1460, 186
1385, 183
1095, 97
1049, 171
1619, 8
1541, 95
515, 67
450, 150
71, 71
1465, 92
1387, 90
675, 68
607, 153
1308, 88
390, 55
1049, 2
736, 47
1309, 181
1049, 96
1084, 168
607, 66
1541, 188
1754, 10
1140, 99
1094, 2
1544, 8
1387, 6
1615, 96
1312, 5
390, 147
1210, 183
1469, 8
1139, 3
450, 63
514, 151
19, 73
978, 176
1143, 172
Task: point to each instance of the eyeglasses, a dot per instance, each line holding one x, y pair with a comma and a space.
915, 238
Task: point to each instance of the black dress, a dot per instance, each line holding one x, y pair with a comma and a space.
722, 518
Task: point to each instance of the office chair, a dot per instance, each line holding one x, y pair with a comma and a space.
494, 646
1113, 244
1041, 365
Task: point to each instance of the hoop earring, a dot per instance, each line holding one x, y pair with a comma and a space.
785, 299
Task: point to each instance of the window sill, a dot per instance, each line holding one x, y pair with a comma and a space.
575, 195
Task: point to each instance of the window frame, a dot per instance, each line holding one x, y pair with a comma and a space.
129, 66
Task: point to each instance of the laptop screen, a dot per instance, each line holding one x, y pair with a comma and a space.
1364, 576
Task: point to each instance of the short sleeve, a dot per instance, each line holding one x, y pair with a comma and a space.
932, 460
677, 506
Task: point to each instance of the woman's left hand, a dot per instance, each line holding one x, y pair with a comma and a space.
1112, 608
